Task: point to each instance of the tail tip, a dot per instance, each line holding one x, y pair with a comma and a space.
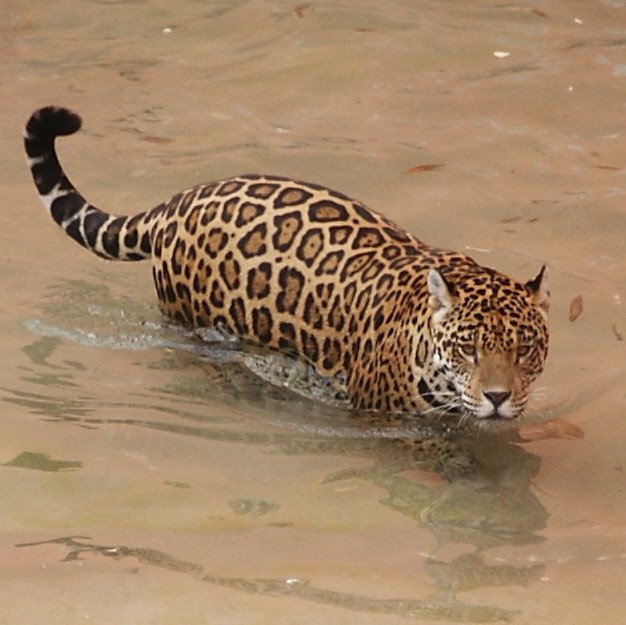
53, 121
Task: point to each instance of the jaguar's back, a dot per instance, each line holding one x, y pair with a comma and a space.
307, 271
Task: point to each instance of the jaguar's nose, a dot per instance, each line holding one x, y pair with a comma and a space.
497, 398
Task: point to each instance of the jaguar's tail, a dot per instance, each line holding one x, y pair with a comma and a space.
120, 238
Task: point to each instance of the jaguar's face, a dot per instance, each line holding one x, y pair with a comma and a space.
490, 341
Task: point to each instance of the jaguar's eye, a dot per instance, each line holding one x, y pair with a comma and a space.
524, 350
467, 349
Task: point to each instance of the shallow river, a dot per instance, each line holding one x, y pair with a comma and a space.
149, 478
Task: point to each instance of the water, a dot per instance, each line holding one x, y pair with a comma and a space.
148, 478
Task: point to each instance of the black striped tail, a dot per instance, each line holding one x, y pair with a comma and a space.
108, 236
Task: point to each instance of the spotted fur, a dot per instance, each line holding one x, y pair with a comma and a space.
307, 271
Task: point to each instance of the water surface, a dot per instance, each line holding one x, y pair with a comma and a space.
148, 478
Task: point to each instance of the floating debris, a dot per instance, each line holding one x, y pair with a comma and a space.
425, 167
575, 308
301, 8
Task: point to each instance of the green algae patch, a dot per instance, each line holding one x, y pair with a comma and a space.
41, 462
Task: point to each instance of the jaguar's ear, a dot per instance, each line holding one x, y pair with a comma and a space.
442, 293
539, 288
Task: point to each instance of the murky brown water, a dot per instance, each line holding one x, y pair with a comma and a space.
145, 481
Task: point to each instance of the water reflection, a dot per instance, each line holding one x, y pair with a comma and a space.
463, 573
484, 502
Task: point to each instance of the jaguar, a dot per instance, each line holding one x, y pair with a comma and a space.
307, 271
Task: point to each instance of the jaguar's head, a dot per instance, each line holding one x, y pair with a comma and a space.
490, 340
